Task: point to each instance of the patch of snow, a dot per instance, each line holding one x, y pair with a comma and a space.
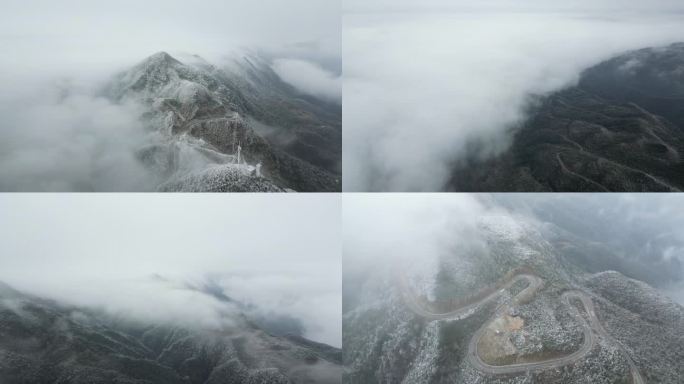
504, 226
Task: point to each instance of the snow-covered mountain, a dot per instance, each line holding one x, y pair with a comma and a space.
42, 341
235, 128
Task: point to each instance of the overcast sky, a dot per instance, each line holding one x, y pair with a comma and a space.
418, 228
427, 83
281, 253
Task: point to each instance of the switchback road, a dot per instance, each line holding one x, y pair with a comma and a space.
591, 326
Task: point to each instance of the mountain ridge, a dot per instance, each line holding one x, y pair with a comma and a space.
44, 341
201, 116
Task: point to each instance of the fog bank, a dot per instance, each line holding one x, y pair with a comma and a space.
147, 257
425, 90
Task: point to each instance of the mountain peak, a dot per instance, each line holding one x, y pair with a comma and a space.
161, 58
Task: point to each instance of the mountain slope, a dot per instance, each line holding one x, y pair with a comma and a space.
516, 311
620, 129
44, 342
311, 129
203, 117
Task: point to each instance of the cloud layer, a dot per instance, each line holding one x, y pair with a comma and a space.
425, 90
136, 255
58, 134
638, 235
393, 227
310, 78
81, 32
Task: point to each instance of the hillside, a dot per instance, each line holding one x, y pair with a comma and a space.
621, 128
42, 341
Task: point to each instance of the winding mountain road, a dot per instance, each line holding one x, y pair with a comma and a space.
412, 302
591, 326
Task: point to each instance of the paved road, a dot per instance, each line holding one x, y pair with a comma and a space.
413, 303
598, 328
591, 327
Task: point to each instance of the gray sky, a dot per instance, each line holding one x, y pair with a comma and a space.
418, 228
280, 252
82, 33
423, 89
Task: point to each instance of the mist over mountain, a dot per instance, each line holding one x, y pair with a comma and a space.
512, 289
206, 115
85, 110
619, 129
626, 6
433, 90
139, 254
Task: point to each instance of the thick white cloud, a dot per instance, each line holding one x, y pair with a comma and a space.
382, 231
310, 78
57, 134
44, 33
510, 5
281, 253
422, 90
